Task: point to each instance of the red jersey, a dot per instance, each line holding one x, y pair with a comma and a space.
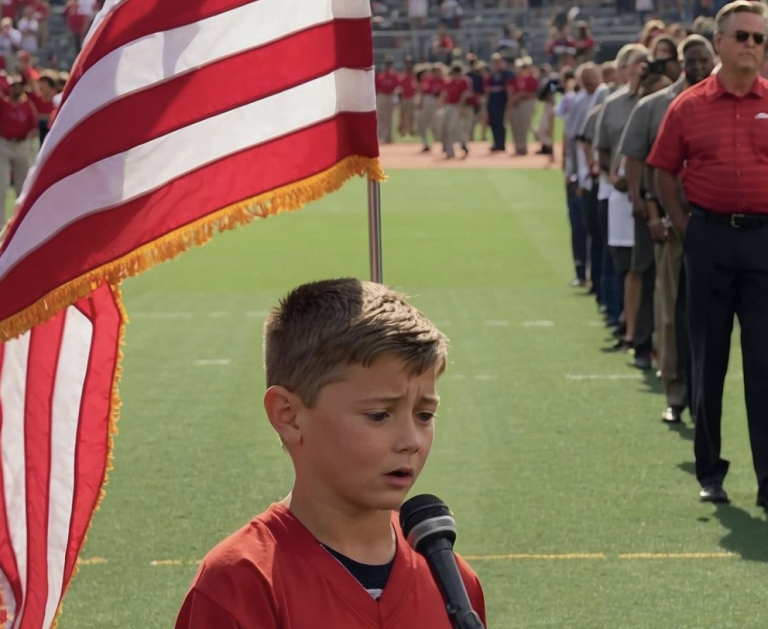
274, 574
30, 74
455, 88
387, 82
41, 9
436, 85
425, 83
719, 142
9, 8
524, 84
44, 109
17, 120
75, 20
407, 86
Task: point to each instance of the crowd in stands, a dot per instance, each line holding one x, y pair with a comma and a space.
30, 83
451, 12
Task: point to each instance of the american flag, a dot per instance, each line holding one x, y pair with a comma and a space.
182, 117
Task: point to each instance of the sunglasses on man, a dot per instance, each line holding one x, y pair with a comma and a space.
743, 36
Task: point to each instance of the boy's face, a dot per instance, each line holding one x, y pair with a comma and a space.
367, 438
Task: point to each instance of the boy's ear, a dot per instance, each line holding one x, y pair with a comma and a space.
282, 408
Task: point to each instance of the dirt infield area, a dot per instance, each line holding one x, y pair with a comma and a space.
409, 156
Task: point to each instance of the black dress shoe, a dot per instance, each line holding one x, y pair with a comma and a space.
762, 500
713, 493
622, 345
672, 415
643, 362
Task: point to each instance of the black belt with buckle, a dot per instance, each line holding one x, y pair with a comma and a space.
737, 221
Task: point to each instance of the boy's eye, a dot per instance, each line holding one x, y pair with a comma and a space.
426, 416
377, 417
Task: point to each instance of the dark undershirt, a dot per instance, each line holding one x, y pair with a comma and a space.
372, 578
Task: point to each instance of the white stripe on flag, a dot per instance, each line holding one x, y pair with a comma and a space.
188, 48
108, 6
13, 389
149, 166
67, 395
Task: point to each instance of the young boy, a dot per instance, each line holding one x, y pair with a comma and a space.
351, 370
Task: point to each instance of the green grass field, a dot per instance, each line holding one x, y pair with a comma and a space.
574, 502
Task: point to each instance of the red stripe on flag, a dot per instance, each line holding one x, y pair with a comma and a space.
44, 347
93, 439
7, 557
204, 93
135, 19
114, 233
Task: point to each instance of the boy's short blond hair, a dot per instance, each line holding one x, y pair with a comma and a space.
321, 328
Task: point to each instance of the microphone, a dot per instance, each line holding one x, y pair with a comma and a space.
430, 529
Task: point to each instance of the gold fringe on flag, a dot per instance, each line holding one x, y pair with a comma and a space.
288, 198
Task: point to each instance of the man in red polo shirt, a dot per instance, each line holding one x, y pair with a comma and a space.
387, 83
716, 136
454, 98
18, 125
407, 92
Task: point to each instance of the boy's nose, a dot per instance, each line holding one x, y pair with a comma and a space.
407, 436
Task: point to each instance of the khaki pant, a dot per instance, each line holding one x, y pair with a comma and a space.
427, 118
669, 261
455, 128
520, 120
408, 116
385, 107
16, 159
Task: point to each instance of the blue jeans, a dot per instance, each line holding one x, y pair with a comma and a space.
578, 232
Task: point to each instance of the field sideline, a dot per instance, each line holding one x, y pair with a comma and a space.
575, 505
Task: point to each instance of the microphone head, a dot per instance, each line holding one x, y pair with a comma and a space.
424, 518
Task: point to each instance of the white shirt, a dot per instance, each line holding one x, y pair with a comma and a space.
621, 223
28, 42
86, 7
9, 42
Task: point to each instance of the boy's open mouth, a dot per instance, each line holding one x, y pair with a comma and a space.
403, 472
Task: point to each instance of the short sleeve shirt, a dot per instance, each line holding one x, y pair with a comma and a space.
644, 123
613, 118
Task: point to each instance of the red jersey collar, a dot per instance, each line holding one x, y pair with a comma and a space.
715, 88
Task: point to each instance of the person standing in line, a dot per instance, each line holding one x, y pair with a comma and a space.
523, 92
618, 222
476, 102
387, 83
406, 92
716, 135
497, 98
585, 235
546, 128
18, 128
639, 136
643, 262
430, 87
454, 98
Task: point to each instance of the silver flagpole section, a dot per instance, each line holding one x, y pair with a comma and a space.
374, 230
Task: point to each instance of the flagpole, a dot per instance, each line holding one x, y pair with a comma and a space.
374, 230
